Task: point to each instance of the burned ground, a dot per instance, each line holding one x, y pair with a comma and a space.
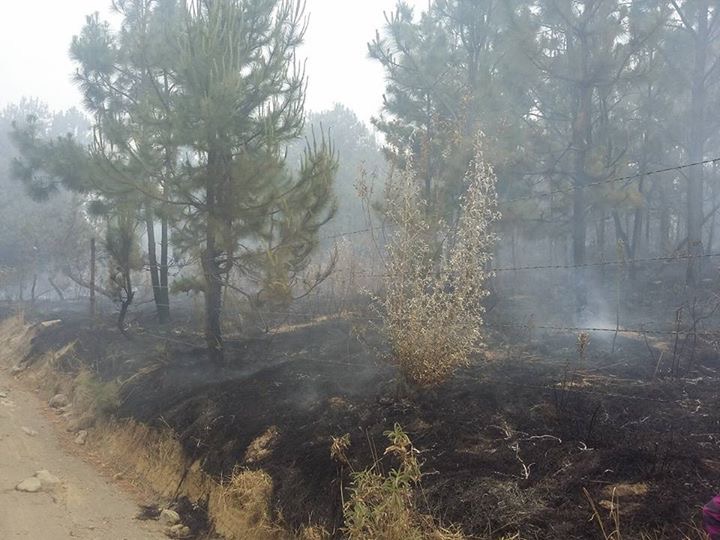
507, 445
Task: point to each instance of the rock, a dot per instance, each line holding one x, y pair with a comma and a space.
118, 476
46, 479
58, 401
85, 422
17, 369
169, 517
29, 485
28, 431
179, 531
3, 395
66, 409
81, 437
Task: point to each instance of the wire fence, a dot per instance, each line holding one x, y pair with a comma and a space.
558, 191
358, 317
622, 262
609, 181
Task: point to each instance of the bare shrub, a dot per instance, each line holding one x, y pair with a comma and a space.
432, 310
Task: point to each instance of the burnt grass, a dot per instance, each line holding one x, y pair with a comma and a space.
507, 445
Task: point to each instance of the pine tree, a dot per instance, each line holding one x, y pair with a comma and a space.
238, 99
194, 104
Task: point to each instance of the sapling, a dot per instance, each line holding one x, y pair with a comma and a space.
432, 310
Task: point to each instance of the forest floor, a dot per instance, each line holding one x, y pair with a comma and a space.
507, 446
82, 505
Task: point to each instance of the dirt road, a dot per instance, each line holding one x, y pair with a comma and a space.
83, 505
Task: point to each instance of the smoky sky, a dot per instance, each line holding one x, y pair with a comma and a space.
35, 36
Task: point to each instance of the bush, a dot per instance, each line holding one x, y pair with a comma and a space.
432, 310
94, 396
381, 505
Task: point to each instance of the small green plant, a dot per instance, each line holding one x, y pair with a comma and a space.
94, 396
381, 506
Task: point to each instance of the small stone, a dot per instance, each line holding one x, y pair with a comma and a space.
179, 531
17, 369
3, 395
29, 485
28, 431
81, 437
58, 401
118, 476
169, 517
46, 479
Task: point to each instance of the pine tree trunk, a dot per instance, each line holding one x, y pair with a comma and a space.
164, 292
213, 303
634, 248
696, 148
152, 255
664, 222
125, 303
60, 294
581, 141
32, 289
93, 256
713, 220
211, 268
158, 272
578, 49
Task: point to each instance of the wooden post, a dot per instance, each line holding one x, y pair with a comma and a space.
92, 278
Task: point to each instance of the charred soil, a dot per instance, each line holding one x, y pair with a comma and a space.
506, 446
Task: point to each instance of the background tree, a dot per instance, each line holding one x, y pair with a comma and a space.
37, 240
450, 71
126, 88
695, 27
359, 156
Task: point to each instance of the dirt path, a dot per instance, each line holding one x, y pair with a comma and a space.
83, 505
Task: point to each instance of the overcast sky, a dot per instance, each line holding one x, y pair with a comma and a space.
35, 36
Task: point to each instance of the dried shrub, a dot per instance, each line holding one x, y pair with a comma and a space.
432, 308
250, 491
609, 527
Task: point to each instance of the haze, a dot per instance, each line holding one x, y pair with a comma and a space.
336, 51
491, 312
